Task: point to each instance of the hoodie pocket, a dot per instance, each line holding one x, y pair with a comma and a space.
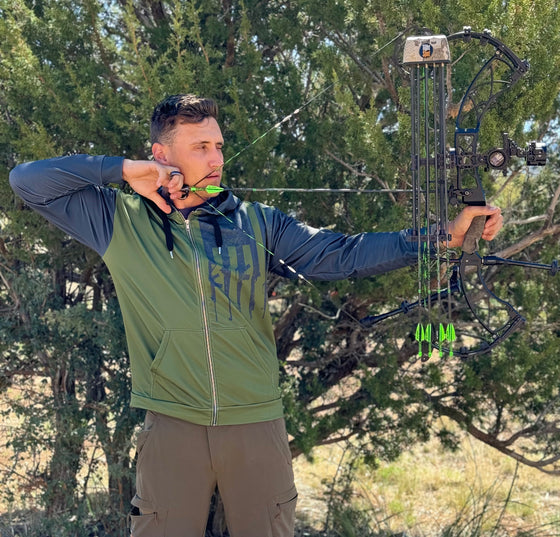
179, 371
245, 374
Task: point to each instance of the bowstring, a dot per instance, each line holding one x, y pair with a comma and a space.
305, 104
277, 125
280, 123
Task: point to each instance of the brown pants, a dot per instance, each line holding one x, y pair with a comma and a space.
180, 464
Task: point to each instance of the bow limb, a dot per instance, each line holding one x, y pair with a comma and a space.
500, 71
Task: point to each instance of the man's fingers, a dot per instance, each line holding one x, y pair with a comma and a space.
171, 179
160, 202
494, 223
492, 228
459, 226
176, 179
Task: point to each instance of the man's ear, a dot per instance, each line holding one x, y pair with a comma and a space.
159, 153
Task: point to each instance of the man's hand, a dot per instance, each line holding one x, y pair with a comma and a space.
459, 227
146, 176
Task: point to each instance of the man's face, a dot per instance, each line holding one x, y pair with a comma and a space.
196, 149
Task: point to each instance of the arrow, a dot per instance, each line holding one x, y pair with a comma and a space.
213, 189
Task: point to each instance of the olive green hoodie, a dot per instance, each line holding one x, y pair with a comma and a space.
201, 341
193, 292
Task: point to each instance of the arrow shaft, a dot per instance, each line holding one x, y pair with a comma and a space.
218, 189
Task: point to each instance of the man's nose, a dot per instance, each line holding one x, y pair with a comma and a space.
216, 159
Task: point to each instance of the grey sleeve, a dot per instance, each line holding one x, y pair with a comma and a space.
73, 193
325, 255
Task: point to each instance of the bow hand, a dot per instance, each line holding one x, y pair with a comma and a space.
473, 223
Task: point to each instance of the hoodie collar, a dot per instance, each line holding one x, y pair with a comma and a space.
223, 203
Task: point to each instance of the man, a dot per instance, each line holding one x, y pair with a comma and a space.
190, 272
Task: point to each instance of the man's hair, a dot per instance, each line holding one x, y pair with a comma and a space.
177, 109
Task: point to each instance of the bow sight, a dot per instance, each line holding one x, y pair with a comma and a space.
498, 158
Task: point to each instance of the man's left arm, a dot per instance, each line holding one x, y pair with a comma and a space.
325, 255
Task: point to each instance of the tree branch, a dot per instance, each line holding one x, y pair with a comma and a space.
357, 173
549, 231
492, 441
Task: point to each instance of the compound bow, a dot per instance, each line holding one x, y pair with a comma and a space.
441, 177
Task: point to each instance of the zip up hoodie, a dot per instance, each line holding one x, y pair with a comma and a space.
193, 292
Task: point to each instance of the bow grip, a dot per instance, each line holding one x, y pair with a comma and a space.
473, 234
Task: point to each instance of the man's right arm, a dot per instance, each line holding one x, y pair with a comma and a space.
71, 192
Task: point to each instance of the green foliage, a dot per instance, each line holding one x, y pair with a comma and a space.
84, 75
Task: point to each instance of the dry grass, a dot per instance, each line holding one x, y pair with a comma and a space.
428, 489
420, 494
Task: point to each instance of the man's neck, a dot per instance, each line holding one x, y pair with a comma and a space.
193, 200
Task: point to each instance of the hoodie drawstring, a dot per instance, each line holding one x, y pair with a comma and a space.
166, 226
218, 236
169, 235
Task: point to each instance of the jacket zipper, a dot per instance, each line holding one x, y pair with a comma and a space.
214, 419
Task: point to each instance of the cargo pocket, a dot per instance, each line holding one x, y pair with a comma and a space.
283, 513
145, 520
144, 436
